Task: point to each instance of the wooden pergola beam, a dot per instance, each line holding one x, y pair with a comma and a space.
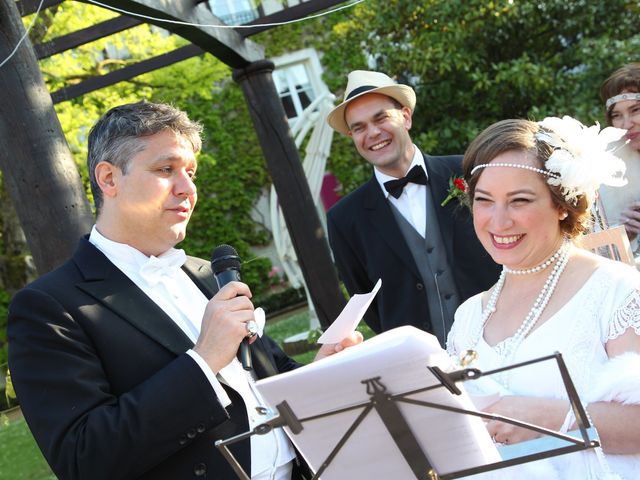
118, 24
125, 73
114, 25
27, 7
224, 43
289, 179
86, 35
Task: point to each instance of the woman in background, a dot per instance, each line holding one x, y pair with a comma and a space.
620, 94
531, 187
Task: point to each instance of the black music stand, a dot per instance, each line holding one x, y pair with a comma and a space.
386, 406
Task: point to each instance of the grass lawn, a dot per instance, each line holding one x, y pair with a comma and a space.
298, 322
289, 325
20, 458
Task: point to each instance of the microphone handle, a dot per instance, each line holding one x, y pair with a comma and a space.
244, 354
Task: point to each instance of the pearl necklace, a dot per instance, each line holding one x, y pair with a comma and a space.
538, 268
506, 348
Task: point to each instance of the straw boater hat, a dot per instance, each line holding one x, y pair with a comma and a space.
361, 82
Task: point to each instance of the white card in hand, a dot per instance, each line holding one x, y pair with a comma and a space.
350, 316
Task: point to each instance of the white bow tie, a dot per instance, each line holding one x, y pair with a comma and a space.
166, 264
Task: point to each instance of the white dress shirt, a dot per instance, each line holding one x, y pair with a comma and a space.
177, 295
411, 203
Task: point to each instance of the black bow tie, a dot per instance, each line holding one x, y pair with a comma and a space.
415, 175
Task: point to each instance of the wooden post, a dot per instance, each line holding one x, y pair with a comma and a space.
287, 174
40, 173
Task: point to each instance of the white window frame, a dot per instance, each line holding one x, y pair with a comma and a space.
309, 58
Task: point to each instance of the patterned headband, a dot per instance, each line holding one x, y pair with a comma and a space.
621, 98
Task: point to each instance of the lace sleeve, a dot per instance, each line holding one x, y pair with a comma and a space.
626, 316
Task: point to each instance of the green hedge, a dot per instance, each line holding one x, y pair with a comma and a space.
274, 302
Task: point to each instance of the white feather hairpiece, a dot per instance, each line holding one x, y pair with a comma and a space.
581, 158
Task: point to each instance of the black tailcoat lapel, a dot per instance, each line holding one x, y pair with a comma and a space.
113, 289
439, 174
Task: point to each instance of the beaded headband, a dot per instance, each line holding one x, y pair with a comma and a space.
515, 165
621, 98
581, 160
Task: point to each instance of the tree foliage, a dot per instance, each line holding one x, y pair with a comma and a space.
471, 62
474, 62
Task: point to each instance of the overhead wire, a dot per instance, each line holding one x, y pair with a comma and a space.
254, 25
13, 52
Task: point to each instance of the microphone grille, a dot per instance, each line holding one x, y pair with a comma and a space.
224, 257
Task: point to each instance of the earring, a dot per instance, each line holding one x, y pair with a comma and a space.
564, 215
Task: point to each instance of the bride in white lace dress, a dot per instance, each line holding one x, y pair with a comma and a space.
530, 186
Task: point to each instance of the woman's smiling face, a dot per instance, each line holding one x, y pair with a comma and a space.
513, 213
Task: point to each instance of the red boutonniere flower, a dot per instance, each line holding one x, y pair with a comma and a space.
457, 187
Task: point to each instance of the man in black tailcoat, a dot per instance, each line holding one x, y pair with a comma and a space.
406, 225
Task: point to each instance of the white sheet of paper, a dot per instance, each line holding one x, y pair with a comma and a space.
350, 316
399, 357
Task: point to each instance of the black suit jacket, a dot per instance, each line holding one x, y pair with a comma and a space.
105, 384
367, 244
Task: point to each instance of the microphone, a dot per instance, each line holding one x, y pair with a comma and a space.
225, 264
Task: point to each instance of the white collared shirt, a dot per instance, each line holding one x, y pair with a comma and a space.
183, 301
412, 201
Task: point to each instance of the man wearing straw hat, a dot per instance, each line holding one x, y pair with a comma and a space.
405, 225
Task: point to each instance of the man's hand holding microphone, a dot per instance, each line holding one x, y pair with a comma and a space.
228, 325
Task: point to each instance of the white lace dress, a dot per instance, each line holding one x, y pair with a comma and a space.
605, 307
